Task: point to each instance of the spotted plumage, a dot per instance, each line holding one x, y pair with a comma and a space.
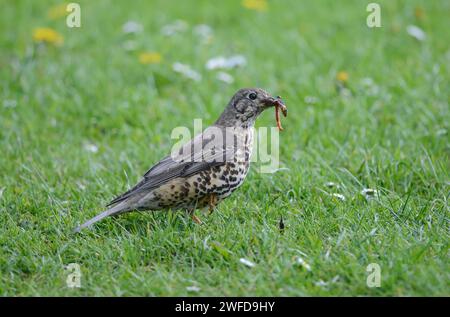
206, 169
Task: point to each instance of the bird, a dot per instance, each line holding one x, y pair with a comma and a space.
206, 169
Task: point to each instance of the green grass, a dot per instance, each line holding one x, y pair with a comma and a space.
391, 135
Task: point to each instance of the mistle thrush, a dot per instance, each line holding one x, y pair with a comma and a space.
206, 169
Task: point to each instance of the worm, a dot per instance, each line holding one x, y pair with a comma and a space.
277, 118
279, 106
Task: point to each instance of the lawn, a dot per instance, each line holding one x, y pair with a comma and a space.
85, 114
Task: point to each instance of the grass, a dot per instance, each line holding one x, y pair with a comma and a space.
387, 131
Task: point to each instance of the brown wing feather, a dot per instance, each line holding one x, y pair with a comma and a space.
195, 161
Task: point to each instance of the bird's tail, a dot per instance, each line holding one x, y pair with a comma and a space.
117, 209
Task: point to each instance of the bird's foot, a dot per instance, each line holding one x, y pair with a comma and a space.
212, 203
196, 219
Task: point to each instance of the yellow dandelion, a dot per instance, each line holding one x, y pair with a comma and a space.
419, 13
47, 35
150, 58
257, 5
57, 11
342, 76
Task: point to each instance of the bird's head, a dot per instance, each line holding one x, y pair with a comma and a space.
246, 105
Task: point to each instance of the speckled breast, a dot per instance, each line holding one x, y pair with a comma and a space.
222, 180
193, 192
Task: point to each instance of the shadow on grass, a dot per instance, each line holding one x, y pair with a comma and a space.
144, 222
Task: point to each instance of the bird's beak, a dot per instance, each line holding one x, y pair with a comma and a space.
276, 102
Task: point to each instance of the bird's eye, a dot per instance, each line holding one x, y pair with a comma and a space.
252, 96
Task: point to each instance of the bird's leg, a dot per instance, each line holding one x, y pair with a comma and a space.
212, 203
193, 216
196, 219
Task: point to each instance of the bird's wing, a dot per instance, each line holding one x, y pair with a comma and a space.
201, 153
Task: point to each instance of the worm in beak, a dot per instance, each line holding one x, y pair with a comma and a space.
279, 105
